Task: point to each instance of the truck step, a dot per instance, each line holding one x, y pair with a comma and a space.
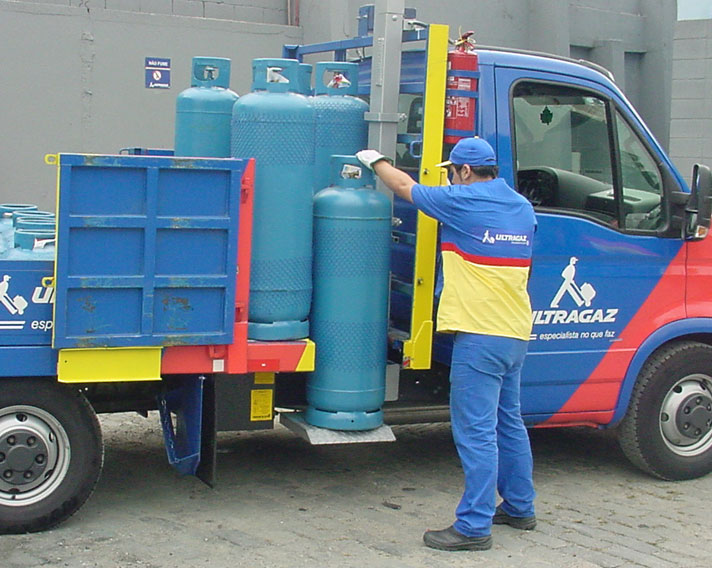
316, 436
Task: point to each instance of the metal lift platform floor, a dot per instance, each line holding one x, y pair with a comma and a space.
295, 422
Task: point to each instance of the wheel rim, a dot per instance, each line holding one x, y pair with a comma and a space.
34, 455
686, 416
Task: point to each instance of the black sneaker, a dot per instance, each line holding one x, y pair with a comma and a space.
522, 523
450, 539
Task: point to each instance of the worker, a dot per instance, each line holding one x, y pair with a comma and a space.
487, 231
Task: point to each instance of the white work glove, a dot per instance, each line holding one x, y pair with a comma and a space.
370, 157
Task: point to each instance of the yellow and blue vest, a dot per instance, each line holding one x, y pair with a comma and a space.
486, 243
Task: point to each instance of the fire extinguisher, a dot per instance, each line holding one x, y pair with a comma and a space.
461, 93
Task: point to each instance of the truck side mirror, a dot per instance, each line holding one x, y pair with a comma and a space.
699, 207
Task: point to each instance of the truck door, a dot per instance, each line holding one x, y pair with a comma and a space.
574, 149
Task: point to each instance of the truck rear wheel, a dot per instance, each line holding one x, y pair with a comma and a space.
51, 454
667, 431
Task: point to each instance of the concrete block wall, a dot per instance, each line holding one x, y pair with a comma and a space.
257, 11
691, 112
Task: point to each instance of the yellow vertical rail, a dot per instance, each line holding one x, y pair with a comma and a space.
417, 351
54, 160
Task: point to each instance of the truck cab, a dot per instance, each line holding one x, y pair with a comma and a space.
621, 325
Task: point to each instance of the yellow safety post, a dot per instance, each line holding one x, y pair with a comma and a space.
417, 350
308, 358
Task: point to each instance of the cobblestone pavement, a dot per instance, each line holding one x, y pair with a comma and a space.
282, 503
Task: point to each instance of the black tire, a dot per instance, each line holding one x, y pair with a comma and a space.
51, 454
667, 431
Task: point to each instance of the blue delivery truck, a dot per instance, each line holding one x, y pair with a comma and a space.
144, 304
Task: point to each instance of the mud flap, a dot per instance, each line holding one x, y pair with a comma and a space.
208, 438
181, 412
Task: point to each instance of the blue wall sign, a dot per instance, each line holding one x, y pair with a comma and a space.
158, 73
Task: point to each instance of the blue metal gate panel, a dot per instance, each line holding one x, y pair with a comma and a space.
146, 250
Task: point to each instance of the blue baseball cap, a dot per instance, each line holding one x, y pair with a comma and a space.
473, 152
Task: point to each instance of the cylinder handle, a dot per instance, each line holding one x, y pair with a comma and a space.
348, 171
211, 72
275, 75
344, 82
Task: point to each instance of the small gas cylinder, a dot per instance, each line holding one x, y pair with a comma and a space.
349, 318
7, 210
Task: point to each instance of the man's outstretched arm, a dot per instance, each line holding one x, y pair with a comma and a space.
394, 179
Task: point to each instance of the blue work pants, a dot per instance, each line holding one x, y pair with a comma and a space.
487, 427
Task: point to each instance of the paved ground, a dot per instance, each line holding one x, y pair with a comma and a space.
282, 503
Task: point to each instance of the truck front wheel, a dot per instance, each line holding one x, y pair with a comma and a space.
51, 454
667, 431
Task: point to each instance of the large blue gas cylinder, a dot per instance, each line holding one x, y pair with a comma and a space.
340, 125
275, 125
204, 111
349, 318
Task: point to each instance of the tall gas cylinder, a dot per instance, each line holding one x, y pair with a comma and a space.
204, 111
349, 319
461, 93
340, 125
275, 125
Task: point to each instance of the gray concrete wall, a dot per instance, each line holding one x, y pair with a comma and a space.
632, 38
73, 70
691, 118
634, 41
73, 81
258, 11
